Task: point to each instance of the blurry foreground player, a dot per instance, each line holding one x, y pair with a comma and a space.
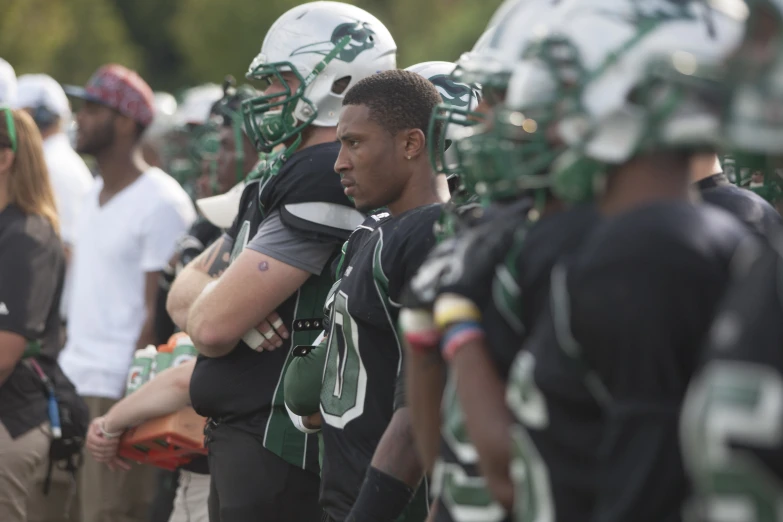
611, 358
488, 287
732, 431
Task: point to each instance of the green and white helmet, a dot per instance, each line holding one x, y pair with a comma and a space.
477, 149
184, 150
642, 77
487, 68
322, 43
459, 99
454, 94
450, 117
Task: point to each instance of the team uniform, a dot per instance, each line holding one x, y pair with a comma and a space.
745, 205
600, 385
503, 265
362, 383
303, 377
458, 485
241, 393
731, 421
519, 291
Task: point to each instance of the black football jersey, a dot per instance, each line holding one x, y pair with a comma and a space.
732, 421
527, 274
364, 359
745, 205
510, 290
476, 253
602, 379
245, 387
354, 243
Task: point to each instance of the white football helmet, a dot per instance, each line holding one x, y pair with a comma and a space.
514, 24
489, 66
321, 43
459, 100
196, 104
628, 76
453, 93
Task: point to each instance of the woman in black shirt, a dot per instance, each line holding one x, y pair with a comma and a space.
31, 278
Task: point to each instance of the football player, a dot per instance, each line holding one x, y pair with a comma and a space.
370, 467
236, 157
600, 381
292, 220
303, 377
731, 422
494, 273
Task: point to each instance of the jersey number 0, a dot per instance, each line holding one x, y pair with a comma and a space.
345, 377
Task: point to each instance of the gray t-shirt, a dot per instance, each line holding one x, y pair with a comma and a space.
276, 240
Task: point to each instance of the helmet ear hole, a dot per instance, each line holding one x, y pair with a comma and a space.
339, 86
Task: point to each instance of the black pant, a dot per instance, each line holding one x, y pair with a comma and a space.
163, 503
252, 484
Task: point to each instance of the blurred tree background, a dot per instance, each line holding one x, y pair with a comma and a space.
180, 43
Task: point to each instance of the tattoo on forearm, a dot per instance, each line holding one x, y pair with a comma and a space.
216, 258
263, 266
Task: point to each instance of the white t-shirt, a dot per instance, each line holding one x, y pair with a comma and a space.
135, 232
71, 181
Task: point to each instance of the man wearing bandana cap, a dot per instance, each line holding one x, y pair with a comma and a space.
125, 234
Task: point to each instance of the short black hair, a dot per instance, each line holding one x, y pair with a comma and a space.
397, 99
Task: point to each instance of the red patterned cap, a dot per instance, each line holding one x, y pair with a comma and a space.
121, 89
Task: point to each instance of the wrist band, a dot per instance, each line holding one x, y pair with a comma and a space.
423, 342
108, 435
298, 423
458, 336
454, 308
419, 330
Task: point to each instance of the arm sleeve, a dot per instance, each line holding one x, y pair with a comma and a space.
161, 230
28, 285
276, 240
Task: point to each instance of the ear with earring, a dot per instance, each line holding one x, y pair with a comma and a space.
408, 157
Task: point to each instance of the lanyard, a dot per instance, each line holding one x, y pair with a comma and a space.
54, 410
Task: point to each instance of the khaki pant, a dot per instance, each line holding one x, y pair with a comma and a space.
61, 504
19, 460
113, 496
190, 504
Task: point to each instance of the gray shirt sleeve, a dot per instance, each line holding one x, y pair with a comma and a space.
276, 240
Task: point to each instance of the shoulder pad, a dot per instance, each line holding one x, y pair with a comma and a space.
321, 219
